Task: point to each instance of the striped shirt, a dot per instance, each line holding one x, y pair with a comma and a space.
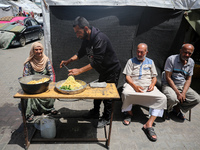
179, 71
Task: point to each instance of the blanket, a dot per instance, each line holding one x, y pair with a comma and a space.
12, 27
6, 39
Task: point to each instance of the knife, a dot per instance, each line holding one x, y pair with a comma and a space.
66, 67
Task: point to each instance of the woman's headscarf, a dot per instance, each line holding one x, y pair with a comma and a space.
38, 64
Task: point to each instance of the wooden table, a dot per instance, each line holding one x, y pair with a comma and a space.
109, 92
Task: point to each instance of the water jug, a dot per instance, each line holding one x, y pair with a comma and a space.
47, 127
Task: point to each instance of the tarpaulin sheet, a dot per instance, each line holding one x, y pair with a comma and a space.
172, 4
5, 39
162, 30
11, 27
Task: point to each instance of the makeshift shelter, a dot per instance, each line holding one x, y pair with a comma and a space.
5, 10
159, 24
27, 7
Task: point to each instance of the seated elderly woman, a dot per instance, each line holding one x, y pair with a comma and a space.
38, 63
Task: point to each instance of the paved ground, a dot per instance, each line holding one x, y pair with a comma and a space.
172, 134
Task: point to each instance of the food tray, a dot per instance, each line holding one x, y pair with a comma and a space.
98, 84
76, 91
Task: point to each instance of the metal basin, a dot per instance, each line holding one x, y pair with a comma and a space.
34, 88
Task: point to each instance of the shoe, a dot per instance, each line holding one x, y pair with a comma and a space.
103, 122
92, 114
179, 115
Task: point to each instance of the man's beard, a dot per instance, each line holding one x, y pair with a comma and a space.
184, 58
85, 35
141, 58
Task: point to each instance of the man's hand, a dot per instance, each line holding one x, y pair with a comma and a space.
139, 89
181, 97
65, 62
150, 88
74, 72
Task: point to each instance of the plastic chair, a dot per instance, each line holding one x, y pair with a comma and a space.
190, 113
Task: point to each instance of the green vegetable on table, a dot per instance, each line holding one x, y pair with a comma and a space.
65, 87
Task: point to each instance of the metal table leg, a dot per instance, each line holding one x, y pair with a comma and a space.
110, 127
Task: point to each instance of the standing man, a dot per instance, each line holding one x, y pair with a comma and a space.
176, 82
97, 46
140, 89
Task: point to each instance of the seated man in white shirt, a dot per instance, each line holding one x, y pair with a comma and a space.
140, 89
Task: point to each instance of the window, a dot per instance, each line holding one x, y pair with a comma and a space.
28, 23
33, 22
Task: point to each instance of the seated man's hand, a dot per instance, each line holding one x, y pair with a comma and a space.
181, 97
150, 88
139, 89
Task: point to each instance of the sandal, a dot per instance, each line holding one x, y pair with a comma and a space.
150, 133
31, 118
54, 112
127, 118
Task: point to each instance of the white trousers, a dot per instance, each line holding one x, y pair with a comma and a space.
153, 112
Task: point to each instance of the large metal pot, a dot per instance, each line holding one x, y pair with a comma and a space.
34, 88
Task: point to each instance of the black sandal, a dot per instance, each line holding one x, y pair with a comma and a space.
127, 117
150, 133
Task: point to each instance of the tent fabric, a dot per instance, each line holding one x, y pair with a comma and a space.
193, 17
4, 6
172, 4
5, 10
27, 6
162, 30
6, 18
11, 19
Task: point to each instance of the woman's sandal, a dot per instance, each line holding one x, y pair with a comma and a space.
150, 133
31, 118
127, 118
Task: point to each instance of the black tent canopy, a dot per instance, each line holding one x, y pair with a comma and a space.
162, 30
